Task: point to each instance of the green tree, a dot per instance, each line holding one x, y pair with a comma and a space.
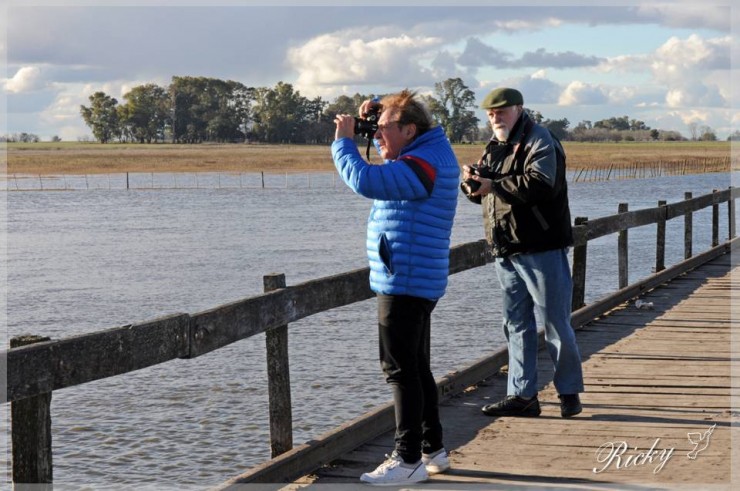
619, 124
208, 109
707, 134
637, 125
242, 99
146, 113
282, 115
453, 112
102, 117
559, 127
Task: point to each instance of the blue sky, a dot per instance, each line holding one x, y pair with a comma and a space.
668, 64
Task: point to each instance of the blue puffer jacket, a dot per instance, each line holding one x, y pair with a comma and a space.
408, 231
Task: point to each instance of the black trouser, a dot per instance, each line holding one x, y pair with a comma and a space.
404, 331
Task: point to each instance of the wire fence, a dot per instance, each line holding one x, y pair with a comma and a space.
296, 180
649, 169
168, 180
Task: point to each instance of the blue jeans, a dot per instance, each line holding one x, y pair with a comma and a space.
539, 281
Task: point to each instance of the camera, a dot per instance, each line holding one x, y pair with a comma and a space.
469, 186
368, 125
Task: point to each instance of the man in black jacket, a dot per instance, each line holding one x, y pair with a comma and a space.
527, 220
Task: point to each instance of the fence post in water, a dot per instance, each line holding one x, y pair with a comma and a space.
31, 431
622, 250
579, 270
688, 230
660, 238
278, 379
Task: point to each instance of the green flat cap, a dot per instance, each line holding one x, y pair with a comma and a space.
502, 97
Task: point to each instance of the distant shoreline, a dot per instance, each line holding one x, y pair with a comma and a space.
95, 158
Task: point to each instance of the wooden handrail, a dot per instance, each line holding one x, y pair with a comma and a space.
40, 368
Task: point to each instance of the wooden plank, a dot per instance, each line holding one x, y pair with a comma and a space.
226, 324
52, 365
31, 431
278, 379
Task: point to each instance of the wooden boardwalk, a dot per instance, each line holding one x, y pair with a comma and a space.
653, 379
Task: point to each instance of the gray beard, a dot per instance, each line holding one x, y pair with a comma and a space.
502, 134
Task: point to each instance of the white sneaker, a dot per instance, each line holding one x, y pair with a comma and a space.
436, 462
394, 471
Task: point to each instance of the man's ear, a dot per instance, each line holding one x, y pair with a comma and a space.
409, 131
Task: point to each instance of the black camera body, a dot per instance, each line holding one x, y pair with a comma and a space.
368, 125
469, 186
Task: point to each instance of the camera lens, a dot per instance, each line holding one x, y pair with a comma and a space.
470, 186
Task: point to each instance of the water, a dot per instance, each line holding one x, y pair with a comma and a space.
82, 261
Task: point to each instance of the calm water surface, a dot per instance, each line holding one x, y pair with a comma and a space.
82, 261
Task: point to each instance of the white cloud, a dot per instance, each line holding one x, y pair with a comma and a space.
26, 79
691, 72
694, 94
691, 116
580, 93
691, 57
344, 58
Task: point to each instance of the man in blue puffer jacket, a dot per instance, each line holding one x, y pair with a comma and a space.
408, 244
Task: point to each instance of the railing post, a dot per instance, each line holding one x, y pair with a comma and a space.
579, 270
731, 216
278, 379
715, 222
623, 251
688, 230
31, 432
660, 239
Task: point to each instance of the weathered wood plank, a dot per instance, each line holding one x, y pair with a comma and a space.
278, 379
31, 431
52, 365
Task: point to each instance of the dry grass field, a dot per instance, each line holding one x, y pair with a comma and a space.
94, 158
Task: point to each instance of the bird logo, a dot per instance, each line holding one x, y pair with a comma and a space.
700, 441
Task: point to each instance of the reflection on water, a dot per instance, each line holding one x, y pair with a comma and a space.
87, 260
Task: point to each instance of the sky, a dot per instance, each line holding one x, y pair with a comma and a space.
669, 64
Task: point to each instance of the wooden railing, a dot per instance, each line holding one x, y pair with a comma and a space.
38, 366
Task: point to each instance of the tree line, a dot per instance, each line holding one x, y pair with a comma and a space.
201, 109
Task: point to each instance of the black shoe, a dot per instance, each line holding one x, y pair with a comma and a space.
570, 405
514, 406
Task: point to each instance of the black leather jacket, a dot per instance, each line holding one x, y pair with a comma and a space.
527, 210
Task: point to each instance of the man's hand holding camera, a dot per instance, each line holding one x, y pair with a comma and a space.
474, 184
366, 125
345, 126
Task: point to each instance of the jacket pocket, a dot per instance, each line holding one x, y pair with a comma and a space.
384, 251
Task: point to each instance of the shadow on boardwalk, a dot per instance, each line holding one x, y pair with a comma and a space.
653, 379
